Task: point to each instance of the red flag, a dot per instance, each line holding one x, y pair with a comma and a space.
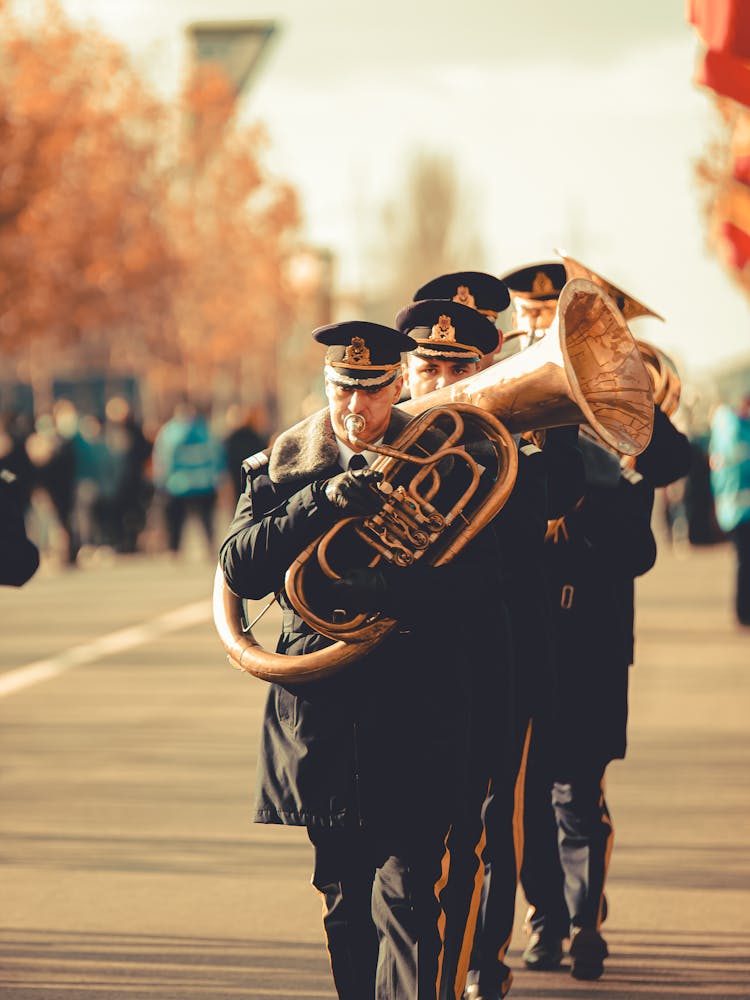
727, 75
724, 25
737, 245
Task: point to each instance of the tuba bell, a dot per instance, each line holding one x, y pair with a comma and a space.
665, 379
587, 368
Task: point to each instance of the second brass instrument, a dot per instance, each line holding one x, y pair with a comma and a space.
665, 379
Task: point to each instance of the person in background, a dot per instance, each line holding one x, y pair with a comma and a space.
15, 428
19, 557
98, 472
133, 491
241, 441
52, 451
729, 450
188, 467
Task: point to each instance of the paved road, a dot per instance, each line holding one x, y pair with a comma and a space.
129, 866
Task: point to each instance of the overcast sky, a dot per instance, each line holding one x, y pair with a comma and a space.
574, 123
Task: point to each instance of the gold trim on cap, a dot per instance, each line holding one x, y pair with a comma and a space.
491, 314
468, 353
331, 372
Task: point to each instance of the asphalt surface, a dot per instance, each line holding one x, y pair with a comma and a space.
129, 866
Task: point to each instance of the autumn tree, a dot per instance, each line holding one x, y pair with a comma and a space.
83, 253
233, 228
139, 234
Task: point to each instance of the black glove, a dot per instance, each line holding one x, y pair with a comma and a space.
360, 590
354, 493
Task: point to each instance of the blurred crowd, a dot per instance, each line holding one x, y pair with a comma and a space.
686, 508
94, 484
103, 484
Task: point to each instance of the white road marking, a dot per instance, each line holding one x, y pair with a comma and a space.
106, 645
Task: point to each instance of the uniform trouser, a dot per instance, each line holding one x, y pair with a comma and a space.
542, 876
503, 831
461, 896
176, 511
381, 911
585, 836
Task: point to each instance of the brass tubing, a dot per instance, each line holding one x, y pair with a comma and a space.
587, 369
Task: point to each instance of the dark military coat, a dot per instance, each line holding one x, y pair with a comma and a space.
666, 459
382, 743
596, 552
514, 667
550, 481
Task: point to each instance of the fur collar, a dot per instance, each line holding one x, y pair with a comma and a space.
309, 448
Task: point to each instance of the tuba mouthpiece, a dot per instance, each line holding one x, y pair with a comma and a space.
355, 423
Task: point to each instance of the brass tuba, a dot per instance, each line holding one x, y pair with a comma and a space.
665, 379
587, 368
419, 520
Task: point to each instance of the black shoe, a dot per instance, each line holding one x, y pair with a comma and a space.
588, 949
543, 952
477, 992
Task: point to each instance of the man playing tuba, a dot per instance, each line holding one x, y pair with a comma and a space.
591, 558
369, 760
511, 675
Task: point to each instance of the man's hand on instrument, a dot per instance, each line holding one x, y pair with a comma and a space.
354, 493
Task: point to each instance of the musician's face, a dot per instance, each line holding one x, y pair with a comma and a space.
374, 405
535, 316
422, 375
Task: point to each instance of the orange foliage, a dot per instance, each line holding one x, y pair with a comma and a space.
233, 228
128, 219
81, 241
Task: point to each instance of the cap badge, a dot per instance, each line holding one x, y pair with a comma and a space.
443, 330
464, 296
542, 284
357, 353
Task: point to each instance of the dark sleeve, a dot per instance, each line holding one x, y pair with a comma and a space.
617, 527
19, 557
268, 533
667, 457
566, 481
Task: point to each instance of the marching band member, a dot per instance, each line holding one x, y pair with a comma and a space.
592, 558
510, 682
368, 760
